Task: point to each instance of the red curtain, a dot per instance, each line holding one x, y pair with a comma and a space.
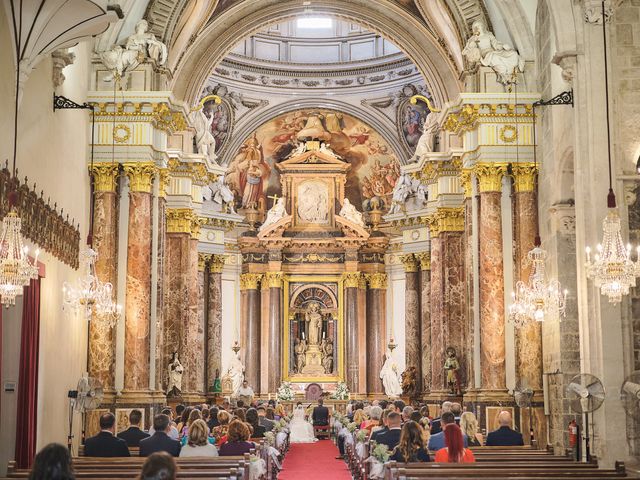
26, 420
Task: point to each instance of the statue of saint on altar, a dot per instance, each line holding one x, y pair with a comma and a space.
175, 376
452, 367
313, 321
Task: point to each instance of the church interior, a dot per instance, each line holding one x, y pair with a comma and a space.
426, 200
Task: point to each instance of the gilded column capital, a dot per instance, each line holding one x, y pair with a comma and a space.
272, 280
524, 176
196, 223
216, 264
362, 282
179, 220
249, 281
203, 259
425, 260
465, 182
351, 279
490, 176
104, 176
446, 219
163, 177
377, 280
410, 262
140, 175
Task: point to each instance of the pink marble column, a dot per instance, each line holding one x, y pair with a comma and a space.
138, 288
351, 281
492, 320
161, 360
273, 281
437, 313
413, 354
251, 321
214, 319
425, 316
376, 330
193, 353
105, 243
466, 181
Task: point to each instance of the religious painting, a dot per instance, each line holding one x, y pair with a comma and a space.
374, 166
312, 205
313, 334
410, 122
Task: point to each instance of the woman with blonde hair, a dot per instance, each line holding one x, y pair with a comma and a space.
198, 443
469, 426
220, 432
359, 417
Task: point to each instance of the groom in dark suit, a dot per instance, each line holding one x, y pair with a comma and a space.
320, 415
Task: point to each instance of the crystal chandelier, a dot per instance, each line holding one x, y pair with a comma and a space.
89, 295
16, 270
612, 269
540, 298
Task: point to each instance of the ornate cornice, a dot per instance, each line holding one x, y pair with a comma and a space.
180, 220
425, 260
490, 176
104, 176
196, 224
216, 263
140, 175
272, 280
159, 114
410, 262
250, 281
377, 280
446, 219
351, 279
465, 182
524, 176
196, 171
434, 169
467, 117
203, 259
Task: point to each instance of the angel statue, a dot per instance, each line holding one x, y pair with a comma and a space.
175, 376
349, 212
401, 193
205, 141
222, 195
390, 376
275, 214
484, 48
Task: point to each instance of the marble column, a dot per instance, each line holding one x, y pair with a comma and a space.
529, 336
214, 318
413, 354
425, 319
105, 243
466, 181
376, 330
273, 282
138, 288
492, 319
437, 312
250, 314
161, 366
350, 282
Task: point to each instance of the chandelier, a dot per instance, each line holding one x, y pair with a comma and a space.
612, 269
16, 270
89, 295
540, 298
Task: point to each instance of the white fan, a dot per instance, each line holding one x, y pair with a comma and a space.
586, 394
630, 395
87, 396
522, 397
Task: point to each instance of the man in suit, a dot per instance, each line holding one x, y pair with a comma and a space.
504, 436
105, 443
320, 415
436, 427
133, 434
391, 438
382, 429
436, 442
160, 440
263, 421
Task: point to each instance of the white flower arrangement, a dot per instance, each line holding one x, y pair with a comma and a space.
342, 392
285, 392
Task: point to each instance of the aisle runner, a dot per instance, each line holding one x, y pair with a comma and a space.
314, 461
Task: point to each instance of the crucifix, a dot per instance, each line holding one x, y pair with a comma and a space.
274, 197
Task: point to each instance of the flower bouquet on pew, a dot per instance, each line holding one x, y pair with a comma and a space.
257, 468
379, 456
272, 451
361, 438
351, 428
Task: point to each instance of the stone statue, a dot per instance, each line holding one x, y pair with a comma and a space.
390, 377
421, 191
401, 193
276, 213
349, 212
139, 46
327, 356
222, 195
205, 141
313, 321
314, 129
175, 376
484, 48
300, 349
324, 148
425, 144
217, 384
409, 381
452, 367
235, 372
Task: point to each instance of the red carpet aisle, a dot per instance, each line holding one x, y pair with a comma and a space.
314, 461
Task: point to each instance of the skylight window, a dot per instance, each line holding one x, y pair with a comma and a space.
314, 23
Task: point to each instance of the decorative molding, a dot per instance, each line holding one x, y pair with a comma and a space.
593, 11
180, 220
252, 257
508, 133
410, 263
446, 219
425, 260
524, 176
217, 262
272, 280
61, 59
490, 176
377, 280
313, 257
250, 281
371, 257
140, 176
104, 176
466, 182
196, 225
121, 137
163, 182
203, 260
351, 279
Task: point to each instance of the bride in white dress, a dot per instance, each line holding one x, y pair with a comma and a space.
300, 431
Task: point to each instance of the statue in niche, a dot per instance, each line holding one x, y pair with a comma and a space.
201, 120
175, 376
275, 214
452, 367
314, 129
426, 142
327, 355
409, 381
235, 372
300, 349
313, 323
484, 48
349, 212
390, 376
222, 195
217, 384
140, 46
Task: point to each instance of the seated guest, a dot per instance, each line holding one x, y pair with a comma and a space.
415, 416
406, 413
220, 432
359, 417
392, 437
253, 421
160, 440
105, 443
383, 404
159, 466
374, 419
240, 414
504, 436
183, 419
205, 415
173, 432
133, 434
320, 415
454, 451
213, 418
382, 428
412, 447
437, 441
398, 406
280, 411
436, 427
237, 440
469, 426
194, 415
265, 422
271, 414
456, 409
198, 442
53, 462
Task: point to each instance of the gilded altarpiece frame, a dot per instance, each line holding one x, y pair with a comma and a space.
332, 286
